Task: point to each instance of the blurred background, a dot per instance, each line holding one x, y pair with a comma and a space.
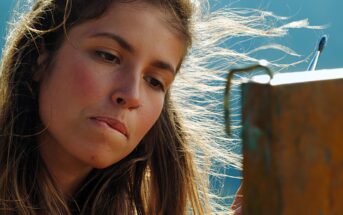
303, 41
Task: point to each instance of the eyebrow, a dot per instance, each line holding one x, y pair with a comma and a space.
163, 65
125, 45
121, 41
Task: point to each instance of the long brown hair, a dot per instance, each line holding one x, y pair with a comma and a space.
158, 177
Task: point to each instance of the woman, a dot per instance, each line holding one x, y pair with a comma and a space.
88, 125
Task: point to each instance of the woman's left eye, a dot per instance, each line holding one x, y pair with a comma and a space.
155, 83
108, 57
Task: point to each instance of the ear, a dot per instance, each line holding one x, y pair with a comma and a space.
41, 62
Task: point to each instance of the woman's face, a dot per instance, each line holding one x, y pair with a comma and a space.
107, 85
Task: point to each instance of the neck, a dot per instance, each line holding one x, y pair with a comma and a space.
67, 173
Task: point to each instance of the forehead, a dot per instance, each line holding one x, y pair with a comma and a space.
147, 10
144, 26
123, 13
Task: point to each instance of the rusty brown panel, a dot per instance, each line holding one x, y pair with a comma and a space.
293, 148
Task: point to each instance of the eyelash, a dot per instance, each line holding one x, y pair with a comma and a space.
108, 57
155, 83
111, 58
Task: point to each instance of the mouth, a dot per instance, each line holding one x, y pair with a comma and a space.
113, 124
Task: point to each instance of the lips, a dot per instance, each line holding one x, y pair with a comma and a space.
113, 123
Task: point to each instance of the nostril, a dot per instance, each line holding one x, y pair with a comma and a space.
120, 101
125, 102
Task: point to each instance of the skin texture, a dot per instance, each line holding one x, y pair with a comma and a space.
105, 90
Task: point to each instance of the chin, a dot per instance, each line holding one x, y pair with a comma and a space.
102, 161
99, 164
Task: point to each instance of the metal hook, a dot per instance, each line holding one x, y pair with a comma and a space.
261, 65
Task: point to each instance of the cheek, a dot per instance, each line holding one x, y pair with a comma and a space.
72, 83
152, 113
85, 80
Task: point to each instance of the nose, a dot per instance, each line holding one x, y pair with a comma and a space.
127, 92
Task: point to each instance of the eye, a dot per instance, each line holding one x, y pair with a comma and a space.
154, 83
108, 57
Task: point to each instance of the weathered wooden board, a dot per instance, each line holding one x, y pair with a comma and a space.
293, 146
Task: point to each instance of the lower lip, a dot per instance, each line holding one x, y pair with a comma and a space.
106, 126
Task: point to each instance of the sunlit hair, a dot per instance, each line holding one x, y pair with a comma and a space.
168, 172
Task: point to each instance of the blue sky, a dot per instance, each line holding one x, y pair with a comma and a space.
304, 41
